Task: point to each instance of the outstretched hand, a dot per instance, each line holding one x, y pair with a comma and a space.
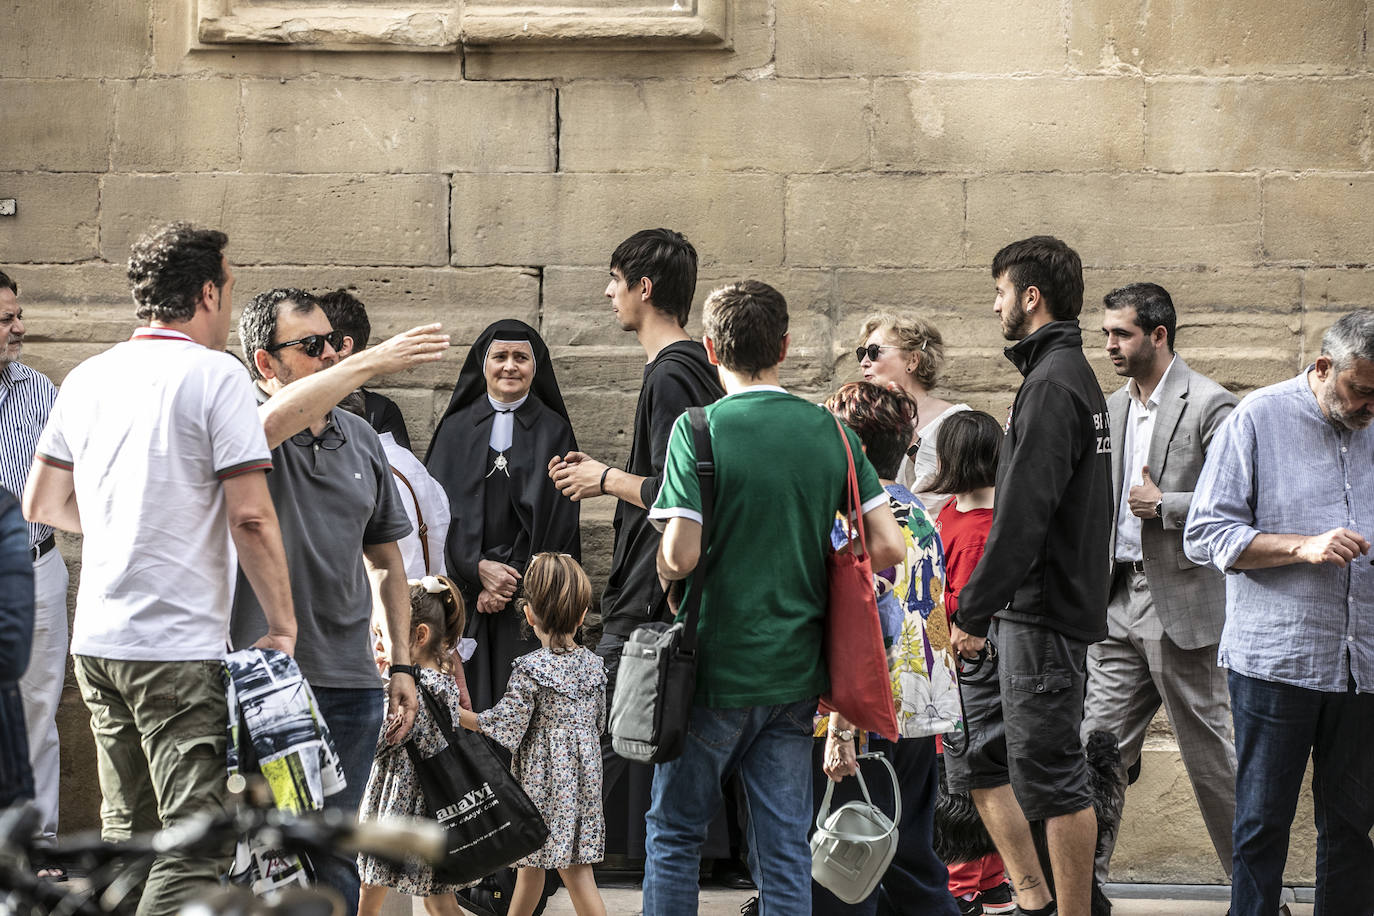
577, 476
419, 345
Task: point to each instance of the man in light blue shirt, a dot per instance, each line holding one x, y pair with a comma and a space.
1285, 507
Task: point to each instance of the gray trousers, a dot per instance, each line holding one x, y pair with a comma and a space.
1135, 670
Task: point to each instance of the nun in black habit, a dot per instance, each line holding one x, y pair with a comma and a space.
491, 453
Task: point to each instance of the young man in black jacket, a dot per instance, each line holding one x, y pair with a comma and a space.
1038, 596
653, 278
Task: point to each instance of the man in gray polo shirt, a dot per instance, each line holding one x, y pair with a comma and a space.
341, 516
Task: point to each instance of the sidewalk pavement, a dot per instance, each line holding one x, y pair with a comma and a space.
1173, 900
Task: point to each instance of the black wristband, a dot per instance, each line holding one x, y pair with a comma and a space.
407, 669
602, 485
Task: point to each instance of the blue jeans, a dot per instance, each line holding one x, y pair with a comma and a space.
771, 748
354, 717
1277, 726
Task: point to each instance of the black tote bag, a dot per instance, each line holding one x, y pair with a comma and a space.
489, 820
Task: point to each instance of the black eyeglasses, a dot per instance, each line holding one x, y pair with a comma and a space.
872, 351
331, 439
312, 345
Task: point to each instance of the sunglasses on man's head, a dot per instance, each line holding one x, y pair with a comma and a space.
872, 351
313, 345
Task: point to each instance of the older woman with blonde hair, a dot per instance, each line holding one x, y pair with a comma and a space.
907, 354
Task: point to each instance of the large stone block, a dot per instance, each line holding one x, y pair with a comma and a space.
375, 126
57, 125
273, 219
75, 38
964, 292
1329, 295
1319, 219
1226, 36
844, 37
1242, 369
1342, 289
425, 417
1195, 126
95, 286
579, 218
603, 421
750, 51
1121, 220
1163, 839
177, 125
875, 220
1018, 125
577, 313
175, 51
52, 327
58, 218
770, 125
1245, 293
464, 300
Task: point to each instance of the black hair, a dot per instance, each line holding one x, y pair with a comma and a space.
670, 263
7, 283
1050, 266
966, 450
746, 322
346, 313
1153, 307
170, 265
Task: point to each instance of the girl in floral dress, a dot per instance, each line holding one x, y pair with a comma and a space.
436, 623
551, 719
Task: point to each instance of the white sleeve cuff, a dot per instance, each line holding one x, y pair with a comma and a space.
659, 517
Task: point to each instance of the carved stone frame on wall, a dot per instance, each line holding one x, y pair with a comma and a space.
442, 25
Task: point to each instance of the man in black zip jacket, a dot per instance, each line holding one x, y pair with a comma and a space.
1037, 598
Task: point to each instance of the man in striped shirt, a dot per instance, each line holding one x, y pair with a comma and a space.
26, 396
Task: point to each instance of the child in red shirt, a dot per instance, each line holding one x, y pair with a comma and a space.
966, 449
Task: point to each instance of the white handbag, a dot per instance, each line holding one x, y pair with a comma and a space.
853, 846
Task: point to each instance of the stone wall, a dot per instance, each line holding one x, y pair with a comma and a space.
859, 154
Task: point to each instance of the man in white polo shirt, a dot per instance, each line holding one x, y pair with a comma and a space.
155, 453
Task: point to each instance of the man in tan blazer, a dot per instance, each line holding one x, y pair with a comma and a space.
1165, 613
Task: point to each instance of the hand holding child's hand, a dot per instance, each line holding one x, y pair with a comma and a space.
402, 704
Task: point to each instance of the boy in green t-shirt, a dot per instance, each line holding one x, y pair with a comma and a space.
780, 478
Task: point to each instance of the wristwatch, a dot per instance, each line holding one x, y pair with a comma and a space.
1159, 509
843, 734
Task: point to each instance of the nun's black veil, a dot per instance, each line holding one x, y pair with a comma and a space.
472, 380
